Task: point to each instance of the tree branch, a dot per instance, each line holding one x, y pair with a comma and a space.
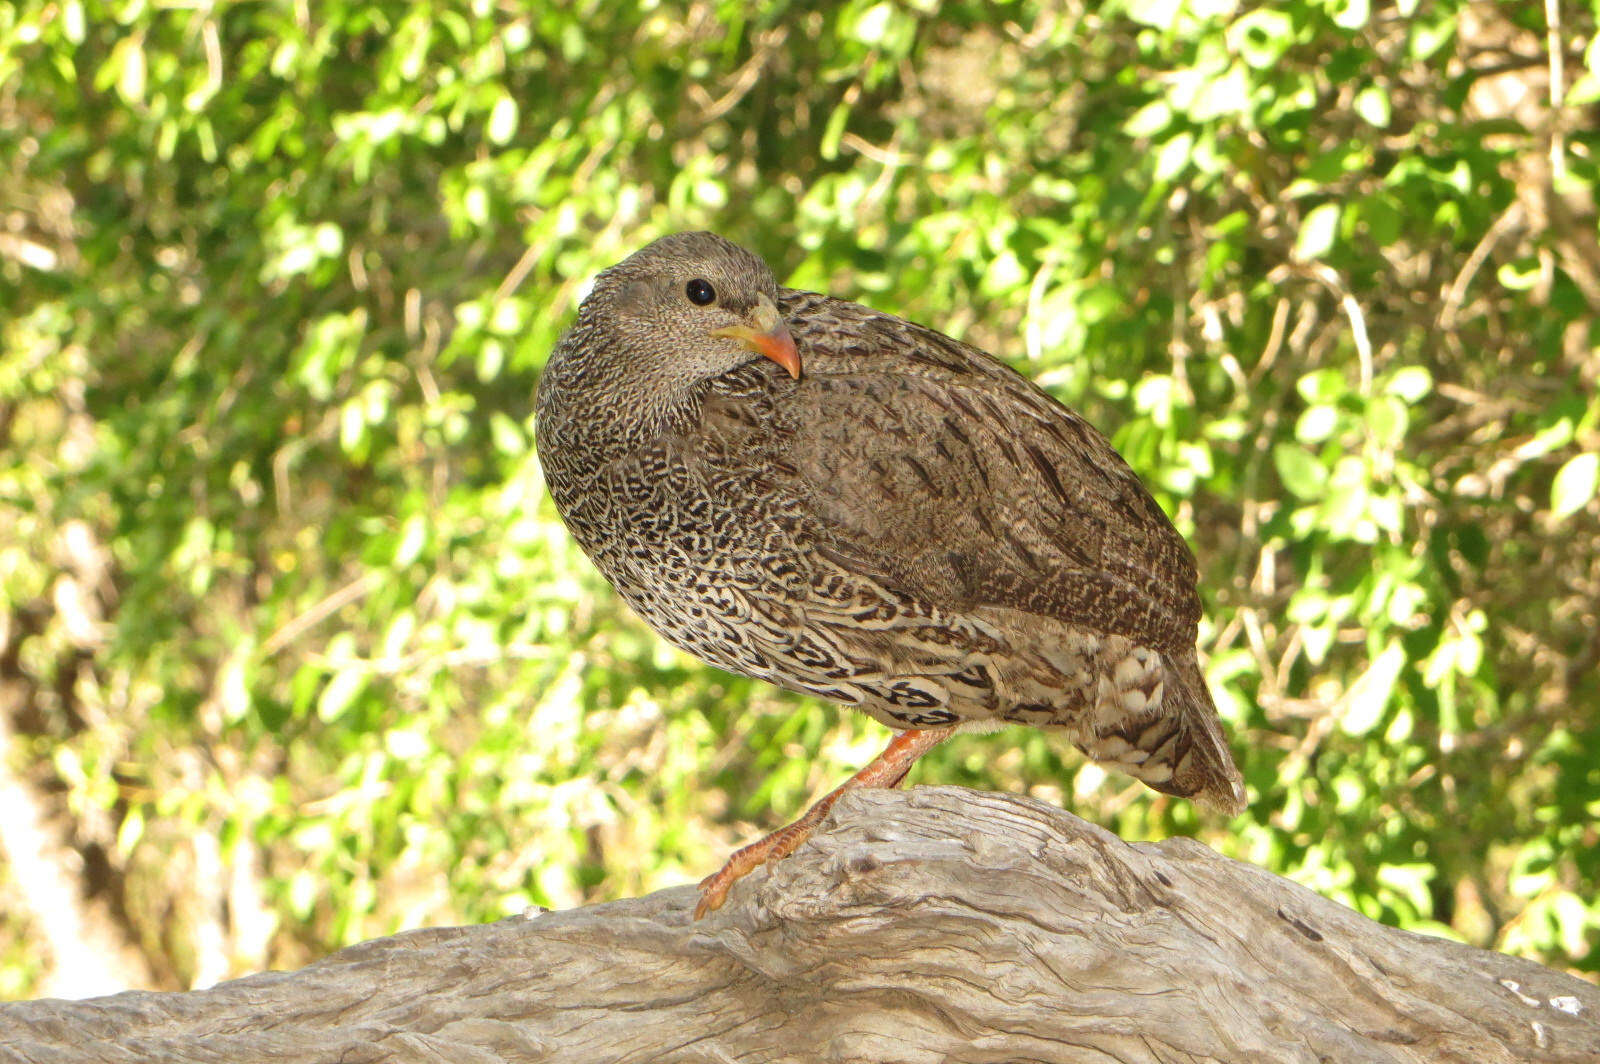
938, 924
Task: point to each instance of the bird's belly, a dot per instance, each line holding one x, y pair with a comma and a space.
734, 580
738, 583
698, 570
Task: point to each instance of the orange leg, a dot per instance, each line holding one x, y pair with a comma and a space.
888, 769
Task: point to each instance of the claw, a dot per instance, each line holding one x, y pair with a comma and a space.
712, 895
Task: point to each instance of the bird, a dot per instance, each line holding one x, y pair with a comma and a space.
797, 488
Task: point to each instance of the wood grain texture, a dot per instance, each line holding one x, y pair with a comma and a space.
933, 925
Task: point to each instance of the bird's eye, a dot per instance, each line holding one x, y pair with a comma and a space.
700, 292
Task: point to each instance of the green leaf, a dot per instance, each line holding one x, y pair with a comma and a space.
1428, 37
128, 58
1351, 14
1317, 232
1148, 120
1575, 485
342, 690
1521, 275
1322, 386
833, 133
502, 120
1372, 104
1261, 37
1173, 156
1410, 880
873, 24
1301, 473
1159, 14
413, 538
1410, 383
1387, 420
1316, 424
1368, 697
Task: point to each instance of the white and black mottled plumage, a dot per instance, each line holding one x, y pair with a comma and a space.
910, 527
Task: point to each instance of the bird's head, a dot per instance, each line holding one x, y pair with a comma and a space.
681, 310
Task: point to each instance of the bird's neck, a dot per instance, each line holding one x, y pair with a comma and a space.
596, 419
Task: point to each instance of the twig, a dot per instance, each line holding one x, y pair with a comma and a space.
304, 622
1453, 299
1558, 147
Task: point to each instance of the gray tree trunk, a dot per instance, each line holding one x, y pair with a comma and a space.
933, 925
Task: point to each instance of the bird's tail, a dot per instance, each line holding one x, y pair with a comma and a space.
1202, 768
1176, 745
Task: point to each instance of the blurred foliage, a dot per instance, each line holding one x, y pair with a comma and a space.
294, 642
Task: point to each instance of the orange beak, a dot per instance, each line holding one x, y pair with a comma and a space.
768, 336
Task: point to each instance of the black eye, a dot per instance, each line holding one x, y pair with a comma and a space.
700, 292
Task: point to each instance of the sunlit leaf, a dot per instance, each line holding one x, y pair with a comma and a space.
1370, 695
1302, 474
502, 121
1576, 483
1317, 232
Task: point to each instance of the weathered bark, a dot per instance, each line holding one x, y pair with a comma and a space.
938, 924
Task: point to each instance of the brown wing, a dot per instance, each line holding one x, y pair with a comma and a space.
966, 485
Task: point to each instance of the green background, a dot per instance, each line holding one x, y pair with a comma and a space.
294, 651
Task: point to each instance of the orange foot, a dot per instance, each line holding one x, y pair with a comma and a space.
885, 770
